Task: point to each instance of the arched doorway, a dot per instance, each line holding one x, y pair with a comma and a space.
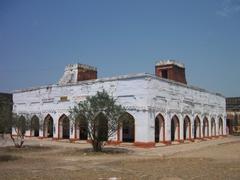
213, 127
205, 127
197, 128
175, 130
63, 127
81, 128
187, 128
48, 126
159, 129
220, 125
34, 126
128, 127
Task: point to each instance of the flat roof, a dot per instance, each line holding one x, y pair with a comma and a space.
121, 77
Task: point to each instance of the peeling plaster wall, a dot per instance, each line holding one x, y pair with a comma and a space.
144, 96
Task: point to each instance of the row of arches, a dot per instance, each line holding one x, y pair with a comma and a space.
81, 129
175, 128
127, 130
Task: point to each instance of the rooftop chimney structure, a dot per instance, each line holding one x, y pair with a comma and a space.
171, 69
78, 72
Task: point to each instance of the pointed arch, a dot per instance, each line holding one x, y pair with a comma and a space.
213, 127
34, 126
128, 127
48, 126
220, 126
205, 127
159, 128
197, 128
175, 129
81, 128
63, 127
187, 128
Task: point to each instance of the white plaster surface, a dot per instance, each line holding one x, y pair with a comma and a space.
143, 95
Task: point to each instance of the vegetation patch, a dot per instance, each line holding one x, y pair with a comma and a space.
27, 148
4, 158
91, 152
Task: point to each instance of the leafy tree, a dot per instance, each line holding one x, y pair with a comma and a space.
19, 124
3, 119
101, 114
5, 116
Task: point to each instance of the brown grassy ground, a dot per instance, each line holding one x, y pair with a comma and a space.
41, 159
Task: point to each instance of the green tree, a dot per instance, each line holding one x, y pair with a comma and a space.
19, 124
3, 119
5, 116
101, 114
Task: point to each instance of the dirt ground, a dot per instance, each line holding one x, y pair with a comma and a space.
45, 159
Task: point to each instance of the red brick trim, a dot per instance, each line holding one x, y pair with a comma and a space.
167, 142
180, 141
144, 144
72, 140
113, 142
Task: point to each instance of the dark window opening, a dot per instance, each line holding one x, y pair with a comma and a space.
165, 74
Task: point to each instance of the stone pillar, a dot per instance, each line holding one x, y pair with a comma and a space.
28, 133
41, 123
210, 133
144, 129
55, 125
217, 127
201, 128
72, 130
192, 128
181, 128
225, 126
168, 128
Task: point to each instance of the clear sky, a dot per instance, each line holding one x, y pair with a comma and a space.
38, 38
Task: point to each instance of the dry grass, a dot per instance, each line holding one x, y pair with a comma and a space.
67, 162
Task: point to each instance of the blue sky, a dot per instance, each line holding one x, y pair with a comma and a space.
38, 38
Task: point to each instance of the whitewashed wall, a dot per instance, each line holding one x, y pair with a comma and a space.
144, 96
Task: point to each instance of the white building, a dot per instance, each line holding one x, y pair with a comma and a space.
163, 108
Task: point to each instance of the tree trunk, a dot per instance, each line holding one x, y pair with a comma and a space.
97, 146
18, 143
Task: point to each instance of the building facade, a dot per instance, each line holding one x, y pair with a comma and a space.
161, 107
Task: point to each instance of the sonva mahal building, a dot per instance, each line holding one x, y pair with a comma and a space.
161, 108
